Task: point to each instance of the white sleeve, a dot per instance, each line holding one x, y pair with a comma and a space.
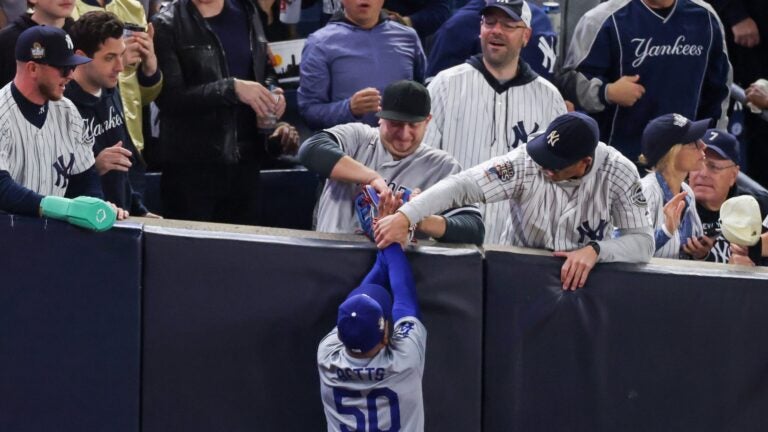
409, 341
353, 137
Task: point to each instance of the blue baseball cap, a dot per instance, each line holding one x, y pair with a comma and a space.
47, 45
569, 138
661, 133
363, 317
722, 143
518, 10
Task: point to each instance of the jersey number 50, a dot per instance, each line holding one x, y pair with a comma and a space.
373, 418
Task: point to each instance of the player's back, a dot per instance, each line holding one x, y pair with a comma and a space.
379, 393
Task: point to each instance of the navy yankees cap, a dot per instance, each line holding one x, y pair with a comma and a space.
668, 130
406, 101
363, 317
47, 45
518, 10
569, 138
722, 143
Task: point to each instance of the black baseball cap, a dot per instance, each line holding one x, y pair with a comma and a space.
722, 143
406, 101
47, 45
515, 9
668, 130
569, 138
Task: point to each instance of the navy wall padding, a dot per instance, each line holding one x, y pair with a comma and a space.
69, 327
638, 349
231, 331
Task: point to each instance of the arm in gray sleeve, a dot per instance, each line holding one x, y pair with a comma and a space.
320, 153
631, 245
464, 226
455, 191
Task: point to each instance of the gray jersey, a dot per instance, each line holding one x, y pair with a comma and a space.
42, 160
423, 168
474, 123
391, 381
556, 216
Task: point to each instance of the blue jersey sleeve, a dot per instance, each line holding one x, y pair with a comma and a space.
87, 183
378, 274
405, 302
17, 199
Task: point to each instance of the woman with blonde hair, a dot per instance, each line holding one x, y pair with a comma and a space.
672, 147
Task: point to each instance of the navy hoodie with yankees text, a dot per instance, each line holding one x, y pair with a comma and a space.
104, 126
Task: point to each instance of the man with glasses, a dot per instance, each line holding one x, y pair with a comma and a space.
566, 193
715, 183
490, 105
43, 151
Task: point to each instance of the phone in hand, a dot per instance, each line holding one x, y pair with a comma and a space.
130, 28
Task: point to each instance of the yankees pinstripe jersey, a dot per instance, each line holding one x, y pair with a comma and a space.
390, 381
669, 247
42, 159
474, 118
606, 204
421, 169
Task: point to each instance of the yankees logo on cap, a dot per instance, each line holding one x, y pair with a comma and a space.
518, 10
47, 45
569, 138
668, 130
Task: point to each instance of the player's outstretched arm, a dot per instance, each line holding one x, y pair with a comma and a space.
379, 273
405, 303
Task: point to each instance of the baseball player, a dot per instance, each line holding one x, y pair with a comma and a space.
370, 372
492, 103
567, 193
391, 157
42, 148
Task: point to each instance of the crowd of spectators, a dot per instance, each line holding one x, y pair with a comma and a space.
655, 75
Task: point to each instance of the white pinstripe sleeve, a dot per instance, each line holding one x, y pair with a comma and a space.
501, 178
628, 205
68, 119
5, 143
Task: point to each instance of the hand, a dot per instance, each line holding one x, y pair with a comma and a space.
625, 91
256, 96
113, 158
146, 50
392, 229
673, 211
288, 136
745, 33
389, 203
380, 186
121, 214
758, 95
569, 106
367, 100
578, 264
132, 53
740, 256
698, 248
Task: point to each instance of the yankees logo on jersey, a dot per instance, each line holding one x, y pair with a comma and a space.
42, 158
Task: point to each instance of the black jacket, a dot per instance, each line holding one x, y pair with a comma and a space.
8, 36
198, 104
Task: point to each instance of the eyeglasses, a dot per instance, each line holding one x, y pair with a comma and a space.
506, 25
715, 168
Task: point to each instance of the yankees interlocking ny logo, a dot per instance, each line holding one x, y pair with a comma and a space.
549, 56
553, 138
521, 135
63, 170
70, 45
679, 120
594, 234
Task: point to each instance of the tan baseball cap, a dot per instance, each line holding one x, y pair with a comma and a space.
740, 220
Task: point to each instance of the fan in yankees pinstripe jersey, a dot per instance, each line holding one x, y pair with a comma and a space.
492, 103
566, 191
43, 151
